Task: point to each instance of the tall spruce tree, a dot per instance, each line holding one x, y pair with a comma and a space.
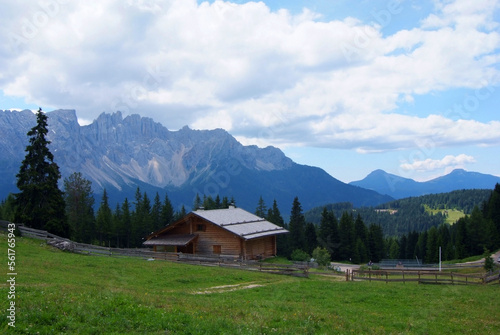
104, 221
296, 227
261, 209
79, 207
40, 203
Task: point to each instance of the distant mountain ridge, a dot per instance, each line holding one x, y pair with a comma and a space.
121, 154
399, 187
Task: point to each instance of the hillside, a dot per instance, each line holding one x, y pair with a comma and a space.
402, 216
64, 293
399, 187
121, 154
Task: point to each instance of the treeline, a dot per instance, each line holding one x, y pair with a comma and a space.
345, 239
464, 200
469, 236
399, 217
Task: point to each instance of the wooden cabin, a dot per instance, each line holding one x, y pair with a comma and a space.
232, 232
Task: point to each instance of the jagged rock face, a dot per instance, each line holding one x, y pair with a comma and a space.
114, 150
120, 154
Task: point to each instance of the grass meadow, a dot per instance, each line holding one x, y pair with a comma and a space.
63, 293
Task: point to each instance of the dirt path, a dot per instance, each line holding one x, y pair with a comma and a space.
228, 288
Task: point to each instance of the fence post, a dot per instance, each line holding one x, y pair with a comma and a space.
347, 275
419, 277
403, 272
370, 275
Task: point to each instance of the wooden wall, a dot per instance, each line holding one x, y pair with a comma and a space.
230, 244
211, 235
261, 247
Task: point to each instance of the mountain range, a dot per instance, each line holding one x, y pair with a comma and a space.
399, 187
121, 154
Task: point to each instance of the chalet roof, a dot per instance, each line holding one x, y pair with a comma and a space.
171, 240
241, 222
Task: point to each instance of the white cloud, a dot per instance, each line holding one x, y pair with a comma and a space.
448, 162
268, 76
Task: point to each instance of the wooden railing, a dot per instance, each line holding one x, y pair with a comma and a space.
423, 277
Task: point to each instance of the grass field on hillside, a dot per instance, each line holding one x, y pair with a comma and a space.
64, 293
453, 215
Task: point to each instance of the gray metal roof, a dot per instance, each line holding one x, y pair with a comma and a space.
241, 222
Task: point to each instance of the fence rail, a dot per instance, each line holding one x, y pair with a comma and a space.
228, 261
423, 277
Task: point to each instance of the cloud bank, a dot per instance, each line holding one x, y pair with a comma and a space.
267, 76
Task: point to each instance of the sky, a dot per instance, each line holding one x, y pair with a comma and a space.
350, 86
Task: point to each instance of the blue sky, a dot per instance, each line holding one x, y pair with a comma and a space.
411, 87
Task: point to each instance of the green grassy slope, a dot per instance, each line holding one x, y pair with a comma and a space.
63, 293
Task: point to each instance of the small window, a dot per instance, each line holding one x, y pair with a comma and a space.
201, 227
217, 249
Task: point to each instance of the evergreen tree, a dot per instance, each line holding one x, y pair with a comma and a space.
167, 212
411, 245
311, 241
274, 216
432, 254
328, 234
147, 222
393, 248
477, 232
8, 208
225, 203
40, 203
197, 202
180, 214
492, 213
156, 213
346, 234
104, 220
459, 238
375, 243
137, 220
297, 227
261, 209
79, 201
126, 223
117, 234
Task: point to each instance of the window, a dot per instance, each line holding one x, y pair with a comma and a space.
217, 249
200, 227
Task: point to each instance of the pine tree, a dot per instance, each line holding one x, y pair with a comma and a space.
79, 207
197, 202
126, 223
261, 209
346, 233
117, 234
8, 208
40, 203
274, 216
167, 212
296, 227
104, 220
156, 213
375, 243
328, 234
311, 241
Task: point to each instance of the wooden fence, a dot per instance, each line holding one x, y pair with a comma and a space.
423, 277
228, 261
